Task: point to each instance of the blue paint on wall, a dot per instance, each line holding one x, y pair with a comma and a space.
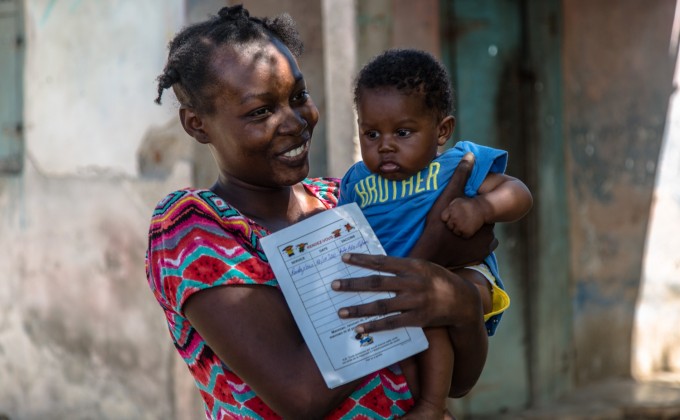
47, 12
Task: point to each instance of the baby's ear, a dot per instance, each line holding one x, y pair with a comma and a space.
193, 125
445, 129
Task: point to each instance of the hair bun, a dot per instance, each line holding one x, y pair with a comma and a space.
233, 13
173, 76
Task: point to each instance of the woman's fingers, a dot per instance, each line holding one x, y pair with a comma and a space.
425, 294
399, 310
376, 262
372, 283
379, 307
404, 268
455, 187
390, 322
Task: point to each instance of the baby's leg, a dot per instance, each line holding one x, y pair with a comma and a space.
435, 366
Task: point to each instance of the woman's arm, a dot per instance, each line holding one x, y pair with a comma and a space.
252, 330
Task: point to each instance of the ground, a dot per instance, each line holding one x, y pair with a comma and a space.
614, 400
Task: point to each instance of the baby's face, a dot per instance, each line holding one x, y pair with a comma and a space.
399, 135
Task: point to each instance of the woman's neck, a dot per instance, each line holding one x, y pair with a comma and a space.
272, 208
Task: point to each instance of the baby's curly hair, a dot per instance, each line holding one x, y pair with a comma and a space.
190, 51
409, 71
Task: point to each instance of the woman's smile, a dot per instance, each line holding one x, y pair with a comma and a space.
298, 152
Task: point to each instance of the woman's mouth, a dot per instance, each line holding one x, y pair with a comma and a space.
292, 154
296, 152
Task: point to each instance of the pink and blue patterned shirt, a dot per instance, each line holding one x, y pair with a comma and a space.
198, 241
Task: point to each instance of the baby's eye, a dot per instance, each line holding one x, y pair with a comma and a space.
402, 132
372, 134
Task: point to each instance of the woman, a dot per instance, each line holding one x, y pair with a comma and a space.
242, 93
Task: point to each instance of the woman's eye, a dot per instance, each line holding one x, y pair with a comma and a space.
301, 97
403, 132
260, 113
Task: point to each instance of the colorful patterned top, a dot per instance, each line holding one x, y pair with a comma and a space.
198, 241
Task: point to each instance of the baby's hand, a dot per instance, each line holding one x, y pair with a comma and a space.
463, 216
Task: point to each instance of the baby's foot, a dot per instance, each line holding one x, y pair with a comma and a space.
424, 410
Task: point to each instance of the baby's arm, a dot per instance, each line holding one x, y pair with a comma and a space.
501, 198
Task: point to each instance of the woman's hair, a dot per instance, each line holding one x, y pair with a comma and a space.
187, 70
409, 71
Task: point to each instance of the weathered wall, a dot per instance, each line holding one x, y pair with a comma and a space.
80, 334
90, 70
617, 81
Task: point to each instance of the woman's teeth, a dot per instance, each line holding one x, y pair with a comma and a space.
296, 152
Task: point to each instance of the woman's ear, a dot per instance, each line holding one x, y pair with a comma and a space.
445, 128
193, 125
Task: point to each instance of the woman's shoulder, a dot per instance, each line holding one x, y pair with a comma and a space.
180, 199
183, 208
326, 189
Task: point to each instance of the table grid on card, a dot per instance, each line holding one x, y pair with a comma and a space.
324, 263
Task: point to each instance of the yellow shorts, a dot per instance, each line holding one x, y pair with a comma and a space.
500, 300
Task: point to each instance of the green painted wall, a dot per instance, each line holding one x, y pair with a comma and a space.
505, 61
11, 86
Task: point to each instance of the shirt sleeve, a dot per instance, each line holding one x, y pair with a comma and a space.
346, 193
487, 160
193, 248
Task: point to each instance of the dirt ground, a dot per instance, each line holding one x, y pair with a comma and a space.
615, 400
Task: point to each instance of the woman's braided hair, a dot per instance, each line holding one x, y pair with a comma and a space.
190, 51
409, 71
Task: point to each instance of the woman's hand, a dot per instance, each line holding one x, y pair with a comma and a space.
427, 295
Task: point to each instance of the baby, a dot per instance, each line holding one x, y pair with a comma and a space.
404, 100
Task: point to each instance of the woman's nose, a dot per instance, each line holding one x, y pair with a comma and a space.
293, 123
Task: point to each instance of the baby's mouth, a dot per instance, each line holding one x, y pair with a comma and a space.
389, 167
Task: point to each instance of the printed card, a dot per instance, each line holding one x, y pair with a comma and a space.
306, 258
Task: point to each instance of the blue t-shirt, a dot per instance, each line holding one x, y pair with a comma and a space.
396, 210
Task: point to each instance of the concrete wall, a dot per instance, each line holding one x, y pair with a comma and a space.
80, 334
90, 70
617, 81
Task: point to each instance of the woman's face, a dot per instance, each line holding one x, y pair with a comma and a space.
263, 118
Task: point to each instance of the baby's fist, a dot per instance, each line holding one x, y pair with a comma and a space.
463, 216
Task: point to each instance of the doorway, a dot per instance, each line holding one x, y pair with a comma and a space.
504, 58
